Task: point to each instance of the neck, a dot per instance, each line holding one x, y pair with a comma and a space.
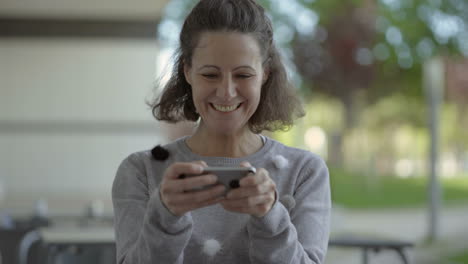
208, 143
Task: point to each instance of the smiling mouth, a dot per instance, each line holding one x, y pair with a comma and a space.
225, 108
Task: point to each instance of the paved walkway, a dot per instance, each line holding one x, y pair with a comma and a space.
401, 224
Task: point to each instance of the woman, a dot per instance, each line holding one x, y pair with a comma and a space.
229, 77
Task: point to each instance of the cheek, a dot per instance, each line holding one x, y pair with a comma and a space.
255, 90
200, 92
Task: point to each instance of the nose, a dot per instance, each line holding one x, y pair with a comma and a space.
227, 88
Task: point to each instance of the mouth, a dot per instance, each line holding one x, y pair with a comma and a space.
225, 108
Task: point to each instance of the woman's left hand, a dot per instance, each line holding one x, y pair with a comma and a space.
255, 196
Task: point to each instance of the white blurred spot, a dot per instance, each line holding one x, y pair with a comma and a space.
445, 26
41, 208
284, 33
404, 168
449, 165
393, 36
211, 247
316, 139
169, 30
364, 57
164, 65
306, 21
96, 209
280, 162
425, 48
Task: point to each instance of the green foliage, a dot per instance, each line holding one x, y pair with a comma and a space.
321, 111
390, 79
393, 111
453, 121
327, 9
461, 258
354, 190
325, 112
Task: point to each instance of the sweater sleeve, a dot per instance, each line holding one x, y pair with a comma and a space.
301, 235
146, 231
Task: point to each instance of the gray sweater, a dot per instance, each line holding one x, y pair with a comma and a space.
295, 230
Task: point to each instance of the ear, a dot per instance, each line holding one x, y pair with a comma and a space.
266, 75
187, 73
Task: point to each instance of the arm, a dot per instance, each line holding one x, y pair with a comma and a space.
299, 236
146, 232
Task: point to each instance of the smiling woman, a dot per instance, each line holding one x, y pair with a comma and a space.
278, 106
229, 77
226, 76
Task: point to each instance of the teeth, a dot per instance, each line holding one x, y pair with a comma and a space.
224, 108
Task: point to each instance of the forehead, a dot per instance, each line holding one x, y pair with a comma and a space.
227, 49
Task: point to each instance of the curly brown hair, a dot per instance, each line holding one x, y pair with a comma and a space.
278, 106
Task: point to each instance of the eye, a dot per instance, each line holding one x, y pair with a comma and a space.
244, 76
210, 75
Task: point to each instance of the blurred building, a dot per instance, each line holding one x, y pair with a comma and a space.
74, 77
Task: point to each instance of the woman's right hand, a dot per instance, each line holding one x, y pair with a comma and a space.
177, 194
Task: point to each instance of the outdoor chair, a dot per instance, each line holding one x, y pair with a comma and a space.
372, 244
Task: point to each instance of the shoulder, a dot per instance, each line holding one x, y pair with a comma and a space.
135, 160
296, 154
137, 168
306, 165
131, 170
141, 162
143, 158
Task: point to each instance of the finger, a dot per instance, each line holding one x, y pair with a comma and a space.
245, 164
195, 197
249, 201
179, 168
243, 210
195, 182
254, 179
201, 162
191, 207
248, 191
257, 210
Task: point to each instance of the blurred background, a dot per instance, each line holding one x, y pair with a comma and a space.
384, 83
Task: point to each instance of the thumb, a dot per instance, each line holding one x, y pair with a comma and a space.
201, 162
245, 164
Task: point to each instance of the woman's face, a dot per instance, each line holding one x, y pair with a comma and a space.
226, 76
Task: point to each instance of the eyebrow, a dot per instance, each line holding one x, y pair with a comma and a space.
216, 67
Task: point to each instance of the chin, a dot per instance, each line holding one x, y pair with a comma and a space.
225, 129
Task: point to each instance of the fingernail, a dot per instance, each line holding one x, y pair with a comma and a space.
199, 168
213, 178
245, 163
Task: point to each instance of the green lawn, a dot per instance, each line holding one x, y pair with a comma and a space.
353, 190
460, 259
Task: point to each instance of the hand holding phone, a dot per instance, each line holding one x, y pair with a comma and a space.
175, 194
227, 176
